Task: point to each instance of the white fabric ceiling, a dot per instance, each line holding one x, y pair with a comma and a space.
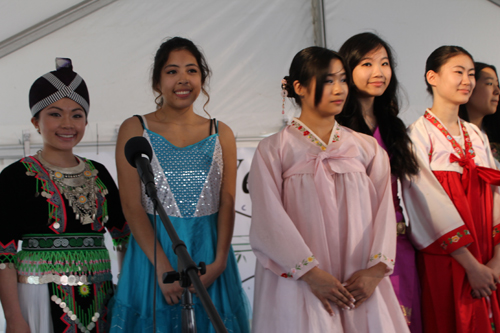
248, 44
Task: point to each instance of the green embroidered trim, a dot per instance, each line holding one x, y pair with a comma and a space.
123, 241
96, 263
68, 242
85, 318
8, 254
65, 259
45, 188
7, 258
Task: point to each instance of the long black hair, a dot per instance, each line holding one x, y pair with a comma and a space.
491, 123
385, 108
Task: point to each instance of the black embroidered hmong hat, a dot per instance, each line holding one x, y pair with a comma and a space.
58, 84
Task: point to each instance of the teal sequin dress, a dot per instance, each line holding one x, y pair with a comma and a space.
188, 181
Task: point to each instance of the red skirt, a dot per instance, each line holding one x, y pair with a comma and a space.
447, 304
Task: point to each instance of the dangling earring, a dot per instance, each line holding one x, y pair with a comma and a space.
284, 94
38, 130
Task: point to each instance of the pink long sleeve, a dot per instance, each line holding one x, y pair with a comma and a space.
274, 237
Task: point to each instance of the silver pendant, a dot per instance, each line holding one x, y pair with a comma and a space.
87, 220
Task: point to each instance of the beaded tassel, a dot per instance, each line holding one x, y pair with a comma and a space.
284, 94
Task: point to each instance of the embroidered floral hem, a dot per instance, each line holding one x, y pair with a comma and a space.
382, 258
455, 239
298, 267
334, 137
496, 235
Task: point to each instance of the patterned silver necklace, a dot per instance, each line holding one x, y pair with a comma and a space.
78, 185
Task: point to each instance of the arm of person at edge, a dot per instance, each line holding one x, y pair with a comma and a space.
10, 302
130, 194
482, 278
225, 222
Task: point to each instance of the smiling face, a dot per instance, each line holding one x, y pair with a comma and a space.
484, 98
61, 124
454, 81
334, 92
373, 73
180, 81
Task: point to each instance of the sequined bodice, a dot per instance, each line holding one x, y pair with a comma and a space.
188, 179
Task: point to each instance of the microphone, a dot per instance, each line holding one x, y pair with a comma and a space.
135, 149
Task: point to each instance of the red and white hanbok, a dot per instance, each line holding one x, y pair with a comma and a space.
453, 203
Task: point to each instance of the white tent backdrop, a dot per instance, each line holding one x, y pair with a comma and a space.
414, 29
249, 46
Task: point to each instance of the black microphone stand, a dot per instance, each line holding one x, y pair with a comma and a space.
188, 271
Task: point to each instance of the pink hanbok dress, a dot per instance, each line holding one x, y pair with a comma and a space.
326, 205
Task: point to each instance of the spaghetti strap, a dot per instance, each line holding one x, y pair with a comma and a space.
142, 120
214, 126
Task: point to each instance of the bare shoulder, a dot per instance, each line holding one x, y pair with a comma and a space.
131, 127
225, 132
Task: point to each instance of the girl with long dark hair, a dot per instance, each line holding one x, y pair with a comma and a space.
373, 109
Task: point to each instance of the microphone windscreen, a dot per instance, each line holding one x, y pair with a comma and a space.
135, 147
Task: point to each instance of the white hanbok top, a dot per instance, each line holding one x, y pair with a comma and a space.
432, 212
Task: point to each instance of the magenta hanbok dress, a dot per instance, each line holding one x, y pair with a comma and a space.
405, 277
327, 205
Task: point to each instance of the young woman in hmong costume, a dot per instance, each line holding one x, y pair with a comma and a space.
454, 209
59, 205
